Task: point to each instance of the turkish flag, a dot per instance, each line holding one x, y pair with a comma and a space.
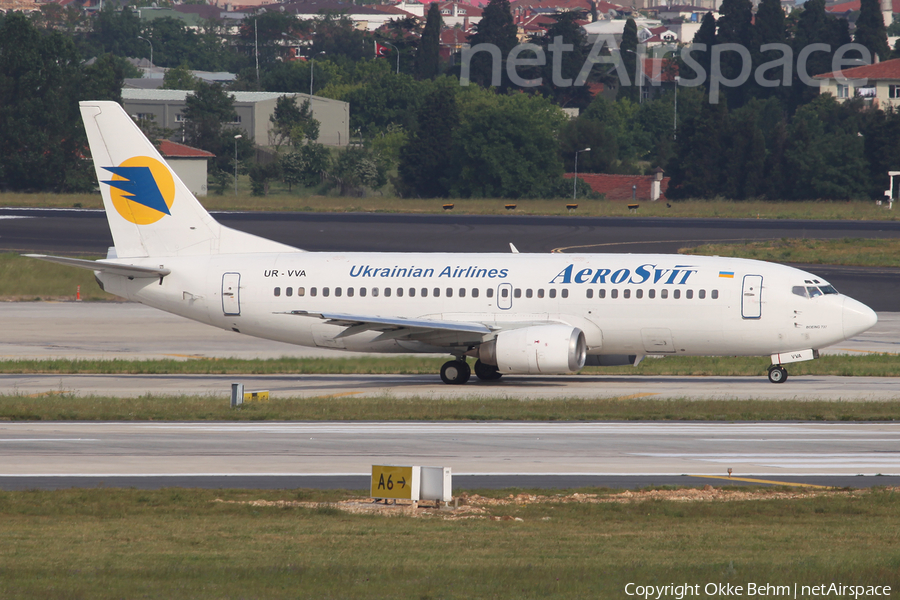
380, 50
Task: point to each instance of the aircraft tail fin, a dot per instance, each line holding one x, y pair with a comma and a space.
150, 210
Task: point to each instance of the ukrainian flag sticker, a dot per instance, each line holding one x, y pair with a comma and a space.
727, 274
142, 189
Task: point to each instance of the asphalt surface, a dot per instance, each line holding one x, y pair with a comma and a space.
486, 454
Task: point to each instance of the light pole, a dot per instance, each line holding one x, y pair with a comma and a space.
151, 52
575, 184
236, 138
312, 72
398, 55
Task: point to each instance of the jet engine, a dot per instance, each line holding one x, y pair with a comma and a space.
537, 349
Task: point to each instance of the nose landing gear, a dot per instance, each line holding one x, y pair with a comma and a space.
777, 374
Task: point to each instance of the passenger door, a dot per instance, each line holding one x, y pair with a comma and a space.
231, 294
751, 297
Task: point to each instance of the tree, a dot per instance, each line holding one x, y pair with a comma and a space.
428, 54
424, 169
293, 124
497, 28
41, 82
505, 146
206, 113
357, 169
117, 32
769, 28
628, 51
705, 35
562, 68
697, 166
179, 78
870, 29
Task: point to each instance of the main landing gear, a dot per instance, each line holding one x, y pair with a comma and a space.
777, 374
457, 372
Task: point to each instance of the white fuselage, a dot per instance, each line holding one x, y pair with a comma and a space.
625, 304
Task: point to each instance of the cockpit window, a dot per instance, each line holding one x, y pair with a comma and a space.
813, 291
799, 290
828, 289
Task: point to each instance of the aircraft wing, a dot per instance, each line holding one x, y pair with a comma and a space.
430, 330
132, 271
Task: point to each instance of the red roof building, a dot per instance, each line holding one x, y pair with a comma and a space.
878, 84
620, 187
175, 150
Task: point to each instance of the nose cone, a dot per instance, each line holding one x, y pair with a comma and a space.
857, 317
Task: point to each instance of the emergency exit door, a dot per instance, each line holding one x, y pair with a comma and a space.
231, 294
751, 297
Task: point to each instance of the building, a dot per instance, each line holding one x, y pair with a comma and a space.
253, 112
878, 84
626, 187
190, 164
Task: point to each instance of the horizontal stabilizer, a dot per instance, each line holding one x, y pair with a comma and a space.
105, 266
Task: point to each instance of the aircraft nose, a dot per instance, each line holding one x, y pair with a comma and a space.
857, 317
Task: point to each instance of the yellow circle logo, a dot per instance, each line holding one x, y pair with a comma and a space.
142, 189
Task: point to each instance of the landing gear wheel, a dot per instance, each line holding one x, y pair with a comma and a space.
455, 372
777, 374
487, 372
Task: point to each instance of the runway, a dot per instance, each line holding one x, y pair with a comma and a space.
330, 454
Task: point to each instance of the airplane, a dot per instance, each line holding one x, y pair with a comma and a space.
513, 313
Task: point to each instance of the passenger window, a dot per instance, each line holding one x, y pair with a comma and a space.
663, 294
689, 294
517, 293
399, 292
362, 292
553, 293
462, 292
424, 292
449, 292
601, 293
387, 292
589, 293
614, 294
349, 292
474, 292
676, 294
504, 293
437, 292
639, 293
702, 294
278, 291
490, 292
540, 293
813, 292
337, 291
651, 294
412, 292
301, 291
313, 291
626, 293
714, 294
565, 293
325, 291
374, 292
288, 291
529, 293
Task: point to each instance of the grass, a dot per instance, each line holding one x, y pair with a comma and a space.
59, 406
29, 279
181, 543
846, 251
281, 200
869, 365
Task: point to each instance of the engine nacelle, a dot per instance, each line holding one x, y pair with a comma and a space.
538, 349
